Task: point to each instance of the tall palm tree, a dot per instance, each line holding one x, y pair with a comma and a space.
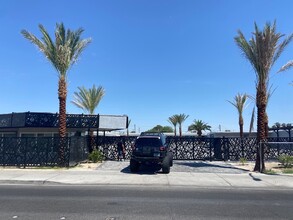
173, 120
199, 126
180, 119
262, 51
62, 54
239, 103
88, 99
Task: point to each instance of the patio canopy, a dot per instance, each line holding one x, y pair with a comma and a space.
73, 121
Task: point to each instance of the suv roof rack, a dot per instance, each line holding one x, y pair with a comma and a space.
151, 134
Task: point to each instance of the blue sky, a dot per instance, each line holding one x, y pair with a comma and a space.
155, 58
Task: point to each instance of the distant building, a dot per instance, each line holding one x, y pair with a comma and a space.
229, 134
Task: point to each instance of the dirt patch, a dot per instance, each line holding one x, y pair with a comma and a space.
87, 166
270, 166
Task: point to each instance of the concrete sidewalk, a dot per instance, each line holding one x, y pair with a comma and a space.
102, 176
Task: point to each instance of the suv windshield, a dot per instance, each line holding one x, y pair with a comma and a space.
148, 142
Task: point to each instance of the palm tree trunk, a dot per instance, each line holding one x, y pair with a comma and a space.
266, 126
93, 140
199, 133
180, 130
261, 127
62, 93
175, 131
241, 126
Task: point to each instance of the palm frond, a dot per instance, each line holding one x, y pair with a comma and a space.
286, 66
239, 102
66, 49
280, 50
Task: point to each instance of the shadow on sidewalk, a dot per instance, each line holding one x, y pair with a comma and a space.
255, 178
202, 164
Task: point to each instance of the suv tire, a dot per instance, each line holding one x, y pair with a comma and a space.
170, 155
166, 165
134, 166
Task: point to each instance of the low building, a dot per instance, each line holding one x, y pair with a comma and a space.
39, 124
229, 134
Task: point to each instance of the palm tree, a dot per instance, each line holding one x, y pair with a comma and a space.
62, 54
88, 99
239, 103
199, 126
174, 122
262, 51
180, 119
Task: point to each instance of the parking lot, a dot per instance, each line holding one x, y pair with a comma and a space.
179, 166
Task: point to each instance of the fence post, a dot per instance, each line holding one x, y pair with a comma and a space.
193, 149
176, 147
226, 149
68, 151
242, 148
3, 151
210, 143
278, 148
25, 150
47, 150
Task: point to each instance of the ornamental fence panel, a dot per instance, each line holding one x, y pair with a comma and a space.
44, 151
41, 151
108, 146
195, 148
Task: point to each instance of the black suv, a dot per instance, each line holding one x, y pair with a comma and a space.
151, 148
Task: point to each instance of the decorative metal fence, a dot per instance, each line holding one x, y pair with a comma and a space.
41, 151
44, 151
194, 148
108, 145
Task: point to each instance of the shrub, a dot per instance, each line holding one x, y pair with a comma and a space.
286, 160
96, 156
243, 160
270, 171
288, 171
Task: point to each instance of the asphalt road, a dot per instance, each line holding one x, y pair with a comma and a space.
27, 202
